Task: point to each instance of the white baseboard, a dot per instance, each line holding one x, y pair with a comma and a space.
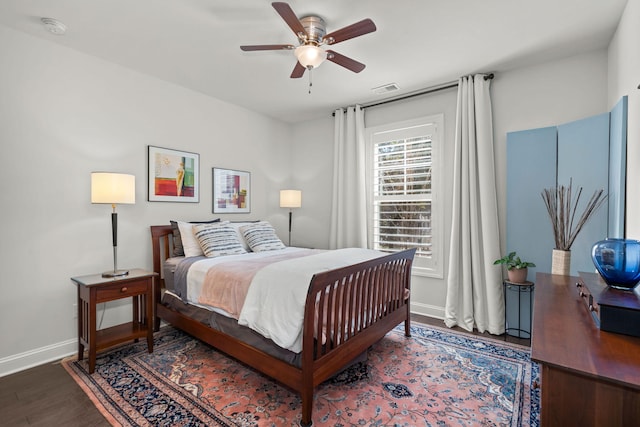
38, 356
427, 310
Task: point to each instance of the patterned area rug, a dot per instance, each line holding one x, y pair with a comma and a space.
435, 378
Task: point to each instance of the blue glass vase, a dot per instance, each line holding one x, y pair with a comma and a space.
618, 262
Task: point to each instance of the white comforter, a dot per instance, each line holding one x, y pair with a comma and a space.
274, 306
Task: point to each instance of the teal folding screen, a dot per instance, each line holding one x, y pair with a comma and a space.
592, 153
531, 167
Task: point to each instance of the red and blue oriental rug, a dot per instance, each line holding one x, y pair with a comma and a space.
437, 377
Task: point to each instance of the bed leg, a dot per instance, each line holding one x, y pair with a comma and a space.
307, 405
407, 324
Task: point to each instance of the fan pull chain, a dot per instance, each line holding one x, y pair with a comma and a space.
310, 81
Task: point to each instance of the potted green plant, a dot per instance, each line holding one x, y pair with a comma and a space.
516, 268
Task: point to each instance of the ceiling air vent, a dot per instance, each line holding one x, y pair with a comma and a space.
381, 90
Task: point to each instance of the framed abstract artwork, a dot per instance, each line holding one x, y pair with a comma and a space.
173, 175
231, 191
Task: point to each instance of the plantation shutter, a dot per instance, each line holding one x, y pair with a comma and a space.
402, 196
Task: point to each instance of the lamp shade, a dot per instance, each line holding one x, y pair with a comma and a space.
310, 56
113, 188
290, 198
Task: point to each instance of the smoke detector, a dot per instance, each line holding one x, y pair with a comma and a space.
54, 26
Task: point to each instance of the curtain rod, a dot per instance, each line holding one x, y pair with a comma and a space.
426, 91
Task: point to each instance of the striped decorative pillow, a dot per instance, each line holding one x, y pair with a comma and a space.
261, 236
178, 244
218, 239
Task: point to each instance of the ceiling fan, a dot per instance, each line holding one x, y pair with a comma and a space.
311, 33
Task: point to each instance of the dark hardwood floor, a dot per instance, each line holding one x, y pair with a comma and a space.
47, 395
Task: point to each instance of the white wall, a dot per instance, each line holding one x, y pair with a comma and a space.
64, 114
624, 78
551, 93
312, 169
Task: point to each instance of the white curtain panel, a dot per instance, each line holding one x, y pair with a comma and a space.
349, 207
474, 284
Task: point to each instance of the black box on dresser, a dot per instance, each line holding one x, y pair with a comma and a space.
612, 310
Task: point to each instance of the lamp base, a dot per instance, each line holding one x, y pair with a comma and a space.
115, 273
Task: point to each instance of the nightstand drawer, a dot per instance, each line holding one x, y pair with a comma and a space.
121, 290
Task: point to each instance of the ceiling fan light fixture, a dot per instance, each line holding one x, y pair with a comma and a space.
311, 32
310, 56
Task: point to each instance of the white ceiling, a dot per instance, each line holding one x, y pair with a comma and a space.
418, 43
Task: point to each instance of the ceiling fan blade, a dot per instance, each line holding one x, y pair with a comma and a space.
354, 30
285, 11
345, 61
268, 47
298, 71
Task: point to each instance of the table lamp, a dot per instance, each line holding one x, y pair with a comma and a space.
290, 199
113, 188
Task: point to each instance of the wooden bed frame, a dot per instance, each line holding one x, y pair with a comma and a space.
377, 294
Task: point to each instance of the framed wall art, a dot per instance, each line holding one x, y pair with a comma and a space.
231, 191
173, 175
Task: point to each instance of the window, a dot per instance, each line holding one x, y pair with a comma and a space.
402, 165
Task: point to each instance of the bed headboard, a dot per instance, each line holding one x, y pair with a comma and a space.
162, 244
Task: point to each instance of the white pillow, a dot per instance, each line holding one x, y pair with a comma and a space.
218, 239
261, 237
189, 242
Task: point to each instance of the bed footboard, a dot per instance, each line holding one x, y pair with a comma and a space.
349, 309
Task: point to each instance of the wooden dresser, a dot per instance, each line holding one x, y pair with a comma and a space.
588, 377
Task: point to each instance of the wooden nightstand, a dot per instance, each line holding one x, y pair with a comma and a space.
94, 289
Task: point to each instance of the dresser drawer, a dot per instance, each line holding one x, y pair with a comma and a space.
121, 290
589, 301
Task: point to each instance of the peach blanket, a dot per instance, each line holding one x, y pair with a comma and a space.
226, 284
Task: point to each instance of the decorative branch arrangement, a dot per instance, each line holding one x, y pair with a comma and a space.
562, 211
